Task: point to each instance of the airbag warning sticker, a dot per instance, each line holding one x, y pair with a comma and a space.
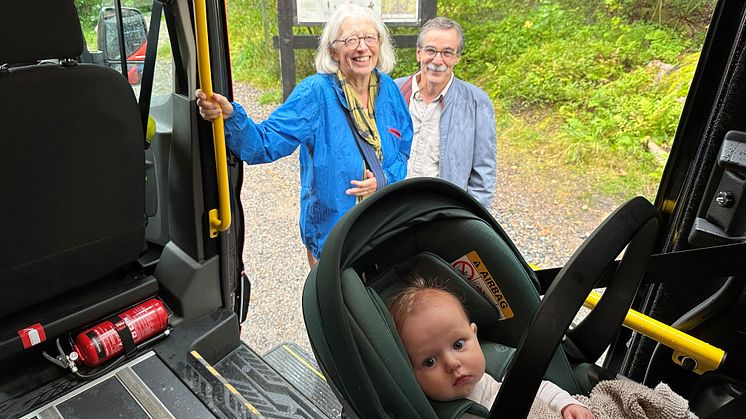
475, 271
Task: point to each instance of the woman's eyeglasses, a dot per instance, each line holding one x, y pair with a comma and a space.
353, 41
431, 52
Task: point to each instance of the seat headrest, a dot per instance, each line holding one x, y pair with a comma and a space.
429, 265
39, 29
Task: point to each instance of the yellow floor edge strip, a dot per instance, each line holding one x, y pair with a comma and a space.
225, 382
304, 362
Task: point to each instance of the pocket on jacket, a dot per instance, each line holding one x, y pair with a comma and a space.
395, 132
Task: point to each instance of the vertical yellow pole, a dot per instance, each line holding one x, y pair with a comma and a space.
219, 220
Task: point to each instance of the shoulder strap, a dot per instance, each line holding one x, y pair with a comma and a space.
146, 82
368, 153
165, 8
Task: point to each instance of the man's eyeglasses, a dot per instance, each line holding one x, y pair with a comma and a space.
354, 41
431, 52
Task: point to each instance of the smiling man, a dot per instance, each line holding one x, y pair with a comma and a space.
454, 122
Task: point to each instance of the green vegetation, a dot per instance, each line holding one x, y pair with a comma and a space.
88, 11
252, 56
592, 87
603, 83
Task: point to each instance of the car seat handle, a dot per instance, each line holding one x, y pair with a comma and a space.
635, 221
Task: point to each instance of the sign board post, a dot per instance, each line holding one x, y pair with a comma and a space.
292, 13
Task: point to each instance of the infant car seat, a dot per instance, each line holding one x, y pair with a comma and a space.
435, 229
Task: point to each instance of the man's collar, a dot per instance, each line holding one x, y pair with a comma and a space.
416, 87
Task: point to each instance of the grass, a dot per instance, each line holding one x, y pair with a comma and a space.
253, 59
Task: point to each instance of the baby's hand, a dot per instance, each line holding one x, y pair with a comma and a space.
576, 411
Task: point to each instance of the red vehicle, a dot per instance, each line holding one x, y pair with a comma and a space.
135, 40
111, 237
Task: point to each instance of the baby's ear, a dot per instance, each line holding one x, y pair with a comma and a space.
474, 328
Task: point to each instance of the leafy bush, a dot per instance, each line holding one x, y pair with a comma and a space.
550, 57
614, 86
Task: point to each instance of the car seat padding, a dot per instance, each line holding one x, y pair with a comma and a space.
396, 226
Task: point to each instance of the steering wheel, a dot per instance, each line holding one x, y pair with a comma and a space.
633, 225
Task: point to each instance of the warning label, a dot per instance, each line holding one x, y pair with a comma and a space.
474, 270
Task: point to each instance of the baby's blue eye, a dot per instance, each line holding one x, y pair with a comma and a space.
429, 363
458, 345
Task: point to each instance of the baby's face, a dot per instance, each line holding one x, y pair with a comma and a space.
442, 346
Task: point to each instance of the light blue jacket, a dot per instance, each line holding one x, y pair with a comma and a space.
313, 118
468, 140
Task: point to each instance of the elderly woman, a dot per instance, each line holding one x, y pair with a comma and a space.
350, 121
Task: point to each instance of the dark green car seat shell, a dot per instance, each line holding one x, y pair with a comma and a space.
417, 225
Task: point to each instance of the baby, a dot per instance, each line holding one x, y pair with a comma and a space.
444, 351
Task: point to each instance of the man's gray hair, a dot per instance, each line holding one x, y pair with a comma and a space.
325, 62
442, 23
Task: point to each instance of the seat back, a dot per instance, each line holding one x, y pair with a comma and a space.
72, 165
431, 228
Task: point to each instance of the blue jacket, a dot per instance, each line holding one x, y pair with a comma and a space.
313, 118
468, 140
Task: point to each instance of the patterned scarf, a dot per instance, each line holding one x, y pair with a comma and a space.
365, 122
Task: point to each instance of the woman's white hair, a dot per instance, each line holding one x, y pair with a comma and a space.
325, 62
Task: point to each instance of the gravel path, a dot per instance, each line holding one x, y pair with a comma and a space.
539, 210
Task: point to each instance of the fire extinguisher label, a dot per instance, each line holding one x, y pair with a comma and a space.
32, 335
97, 345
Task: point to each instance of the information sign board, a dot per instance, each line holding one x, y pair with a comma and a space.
316, 12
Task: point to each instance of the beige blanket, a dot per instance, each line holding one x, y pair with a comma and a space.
619, 399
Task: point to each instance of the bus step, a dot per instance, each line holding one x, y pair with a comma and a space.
302, 372
262, 387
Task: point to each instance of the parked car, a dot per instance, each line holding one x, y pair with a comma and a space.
119, 296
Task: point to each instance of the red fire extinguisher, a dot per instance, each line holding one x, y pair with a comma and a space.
121, 332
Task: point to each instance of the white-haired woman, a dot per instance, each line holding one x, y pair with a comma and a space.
349, 120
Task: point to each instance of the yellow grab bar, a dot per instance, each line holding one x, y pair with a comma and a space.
219, 220
686, 348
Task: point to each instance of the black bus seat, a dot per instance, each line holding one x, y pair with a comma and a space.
72, 175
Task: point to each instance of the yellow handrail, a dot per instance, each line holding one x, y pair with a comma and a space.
686, 348
219, 221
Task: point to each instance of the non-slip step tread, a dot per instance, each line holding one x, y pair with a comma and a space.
215, 390
301, 370
263, 387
